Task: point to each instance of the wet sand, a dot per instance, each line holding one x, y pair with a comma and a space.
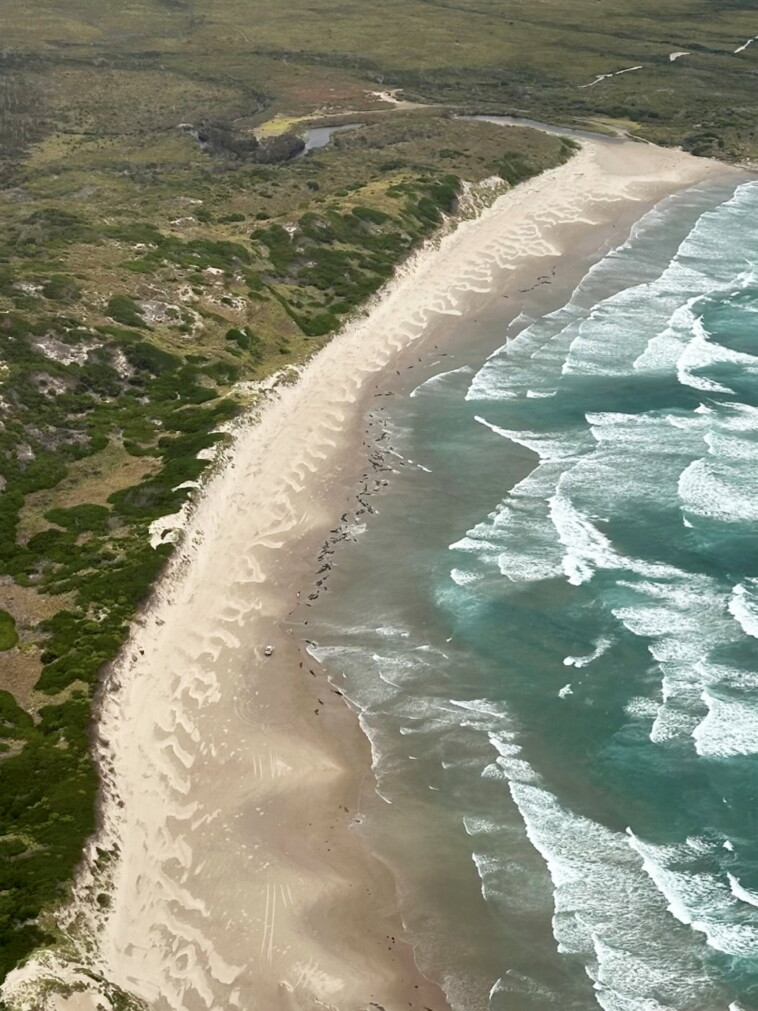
235, 873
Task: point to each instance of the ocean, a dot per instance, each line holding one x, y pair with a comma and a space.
549, 629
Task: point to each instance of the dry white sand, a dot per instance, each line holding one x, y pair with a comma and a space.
239, 880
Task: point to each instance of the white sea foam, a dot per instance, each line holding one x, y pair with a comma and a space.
489, 868
463, 577
601, 647
681, 611
685, 616
664, 349
732, 447
606, 908
701, 901
480, 826
509, 759
587, 549
739, 940
626, 977
742, 893
736, 417
531, 360
701, 353
730, 728
706, 487
710, 487
438, 380
743, 606
393, 631
484, 706
603, 480
640, 707
518, 537
548, 445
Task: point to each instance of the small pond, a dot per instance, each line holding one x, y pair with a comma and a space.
319, 136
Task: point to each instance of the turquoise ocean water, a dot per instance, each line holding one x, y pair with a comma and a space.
550, 629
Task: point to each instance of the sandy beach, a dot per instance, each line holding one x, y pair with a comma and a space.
229, 871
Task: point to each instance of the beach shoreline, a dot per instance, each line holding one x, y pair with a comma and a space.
267, 896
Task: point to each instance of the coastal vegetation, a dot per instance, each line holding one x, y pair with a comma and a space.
117, 83
165, 244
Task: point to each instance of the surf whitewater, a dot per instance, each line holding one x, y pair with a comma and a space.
551, 634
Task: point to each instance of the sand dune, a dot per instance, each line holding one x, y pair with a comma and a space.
236, 875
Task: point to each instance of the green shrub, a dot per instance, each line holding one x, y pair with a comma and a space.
148, 358
136, 233
47, 229
123, 309
60, 288
8, 634
139, 266
247, 341
79, 518
371, 214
